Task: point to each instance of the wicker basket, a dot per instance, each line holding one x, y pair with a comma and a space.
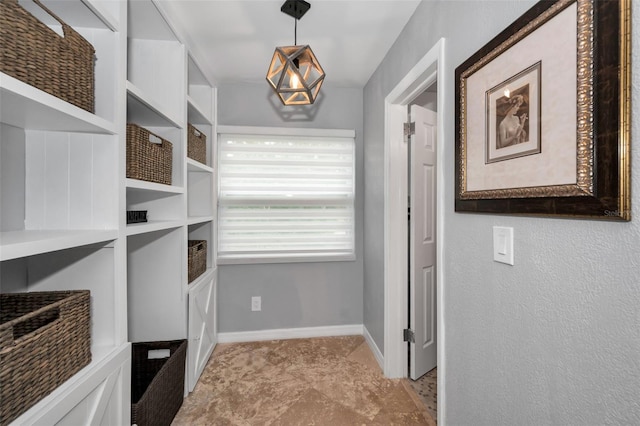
196, 144
157, 384
32, 52
45, 338
149, 157
197, 258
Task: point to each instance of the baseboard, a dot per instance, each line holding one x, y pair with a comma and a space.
290, 333
374, 348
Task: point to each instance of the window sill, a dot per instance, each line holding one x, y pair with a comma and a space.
250, 260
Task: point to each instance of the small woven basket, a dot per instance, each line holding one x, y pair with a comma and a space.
196, 144
149, 157
35, 54
197, 258
157, 384
45, 338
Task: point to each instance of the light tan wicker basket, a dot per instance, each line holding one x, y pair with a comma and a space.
35, 54
197, 258
149, 157
196, 144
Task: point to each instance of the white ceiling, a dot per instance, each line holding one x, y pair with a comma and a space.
235, 39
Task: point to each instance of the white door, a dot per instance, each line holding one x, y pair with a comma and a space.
422, 242
202, 327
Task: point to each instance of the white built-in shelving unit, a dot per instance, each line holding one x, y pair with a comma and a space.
162, 304
60, 210
64, 197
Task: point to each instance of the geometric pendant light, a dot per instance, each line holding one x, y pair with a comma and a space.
294, 73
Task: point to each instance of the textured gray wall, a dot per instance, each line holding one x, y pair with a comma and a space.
554, 339
296, 294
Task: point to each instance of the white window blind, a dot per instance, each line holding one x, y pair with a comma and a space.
285, 197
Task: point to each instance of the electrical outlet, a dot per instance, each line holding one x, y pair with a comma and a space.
256, 303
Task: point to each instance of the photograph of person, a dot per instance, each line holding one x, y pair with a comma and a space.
512, 116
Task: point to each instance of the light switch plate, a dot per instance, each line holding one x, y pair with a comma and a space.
256, 303
503, 244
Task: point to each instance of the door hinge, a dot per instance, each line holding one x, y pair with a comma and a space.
409, 129
408, 335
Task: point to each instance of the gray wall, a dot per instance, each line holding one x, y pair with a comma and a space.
554, 339
296, 294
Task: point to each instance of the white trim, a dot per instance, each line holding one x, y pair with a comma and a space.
287, 131
310, 258
374, 348
428, 70
291, 333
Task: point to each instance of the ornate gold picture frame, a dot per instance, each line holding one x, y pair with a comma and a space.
543, 115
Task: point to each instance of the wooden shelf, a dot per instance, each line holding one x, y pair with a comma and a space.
30, 108
143, 110
152, 186
16, 244
205, 276
152, 226
195, 220
195, 113
196, 166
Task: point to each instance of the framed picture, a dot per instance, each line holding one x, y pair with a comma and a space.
513, 116
543, 115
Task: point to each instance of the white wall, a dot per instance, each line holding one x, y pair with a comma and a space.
554, 339
299, 294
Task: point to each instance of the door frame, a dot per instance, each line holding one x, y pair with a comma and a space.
429, 70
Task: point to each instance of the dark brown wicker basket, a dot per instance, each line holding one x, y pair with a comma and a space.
196, 144
32, 52
147, 160
45, 338
157, 385
197, 258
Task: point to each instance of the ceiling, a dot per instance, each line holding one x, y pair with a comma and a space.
234, 40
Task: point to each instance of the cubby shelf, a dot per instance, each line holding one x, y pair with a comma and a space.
104, 362
195, 220
152, 226
27, 107
152, 186
196, 166
144, 111
196, 114
206, 276
16, 244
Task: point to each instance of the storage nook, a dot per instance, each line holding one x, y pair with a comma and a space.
66, 202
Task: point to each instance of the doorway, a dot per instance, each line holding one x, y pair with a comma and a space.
427, 73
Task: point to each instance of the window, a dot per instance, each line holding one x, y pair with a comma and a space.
285, 195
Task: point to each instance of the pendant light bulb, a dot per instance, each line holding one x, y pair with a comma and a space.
295, 81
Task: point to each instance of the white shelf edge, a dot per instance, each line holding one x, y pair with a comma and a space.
152, 226
101, 360
102, 14
152, 186
153, 106
17, 244
28, 107
196, 166
195, 111
195, 220
206, 276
